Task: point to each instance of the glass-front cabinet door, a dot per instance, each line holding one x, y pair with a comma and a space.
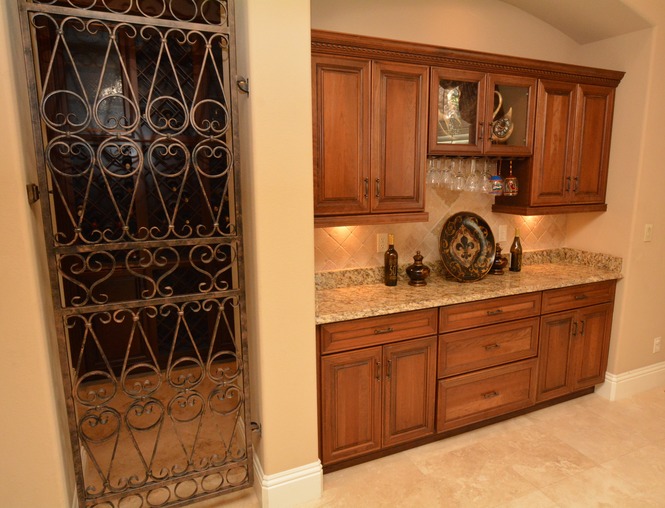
509, 115
457, 101
477, 113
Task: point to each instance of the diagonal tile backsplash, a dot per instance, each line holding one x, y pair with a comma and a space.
355, 246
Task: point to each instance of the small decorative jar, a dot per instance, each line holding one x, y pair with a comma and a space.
417, 272
500, 262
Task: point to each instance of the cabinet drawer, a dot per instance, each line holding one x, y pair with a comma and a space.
487, 312
471, 398
555, 300
364, 332
487, 346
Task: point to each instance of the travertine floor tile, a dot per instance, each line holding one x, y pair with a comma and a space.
591, 488
538, 457
644, 468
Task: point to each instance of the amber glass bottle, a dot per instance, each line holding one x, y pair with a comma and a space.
390, 259
516, 253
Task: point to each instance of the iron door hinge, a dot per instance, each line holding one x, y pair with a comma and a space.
243, 84
33, 193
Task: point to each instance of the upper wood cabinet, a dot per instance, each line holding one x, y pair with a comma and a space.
370, 124
568, 171
372, 132
473, 113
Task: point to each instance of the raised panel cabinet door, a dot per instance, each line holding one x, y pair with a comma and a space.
592, 143
399, 137
554, 366
409, 390
350, 404
553, 146
592, 342
341, 126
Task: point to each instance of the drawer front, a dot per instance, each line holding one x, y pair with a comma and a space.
364, 332
556, 300
487, 312
471, 398
487, 346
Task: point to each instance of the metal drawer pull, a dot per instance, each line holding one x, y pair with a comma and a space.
490, 395
366, 188
494, 312
574, 328
378, 371
490, 347
379, 331
583, 323
581, 297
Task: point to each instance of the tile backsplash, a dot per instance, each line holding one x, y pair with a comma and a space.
355, 246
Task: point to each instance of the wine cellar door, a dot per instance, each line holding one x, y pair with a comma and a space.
133, 105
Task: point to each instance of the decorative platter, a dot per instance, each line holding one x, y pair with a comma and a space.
467, 247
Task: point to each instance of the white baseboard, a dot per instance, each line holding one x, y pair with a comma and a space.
621, 386
288, 488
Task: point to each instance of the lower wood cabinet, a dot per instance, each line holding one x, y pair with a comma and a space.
377, 397
574, 343
574, 350
406, 377
475, 397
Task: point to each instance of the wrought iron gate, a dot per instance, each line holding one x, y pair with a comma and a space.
133, 115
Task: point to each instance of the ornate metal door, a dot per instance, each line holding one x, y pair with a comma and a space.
133, 115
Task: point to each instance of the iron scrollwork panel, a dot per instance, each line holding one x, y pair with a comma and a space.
136, 140
168, 419
138, 144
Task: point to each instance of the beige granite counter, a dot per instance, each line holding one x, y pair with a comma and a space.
364, 299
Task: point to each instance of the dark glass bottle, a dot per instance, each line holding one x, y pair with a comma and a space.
390, 259
516, 253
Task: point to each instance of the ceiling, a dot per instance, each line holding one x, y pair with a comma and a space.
584, 21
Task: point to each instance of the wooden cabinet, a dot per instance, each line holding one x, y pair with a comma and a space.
378, 396
372, 135
477, 396
574, 343
568, 171
473, 113
370, 121
411, 377
350, 404
486, 359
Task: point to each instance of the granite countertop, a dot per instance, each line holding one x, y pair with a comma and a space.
356, 294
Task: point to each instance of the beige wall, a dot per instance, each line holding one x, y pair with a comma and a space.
277, 198
35, 467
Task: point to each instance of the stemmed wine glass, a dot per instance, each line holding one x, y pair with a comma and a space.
473, 181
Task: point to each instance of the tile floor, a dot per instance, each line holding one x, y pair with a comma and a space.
588, 452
